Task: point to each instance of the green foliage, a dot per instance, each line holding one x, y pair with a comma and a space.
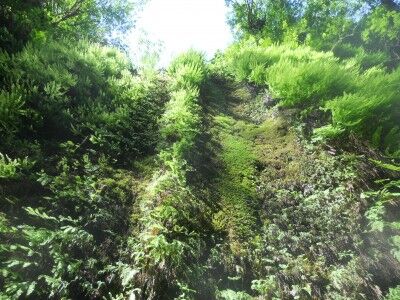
11, 168
300, 76
382, 32
348, 28
387, 194
384, 201
87, 91
327, 132
267, 287
63, 249
189, 58
22, 21
247, 16
308, 83
294, 188
246, 60
226, 201
394, 293
11, 109
374, 102
367, 60
181, 119
188, 75
232, 295
303, 78
78, 111
169, 244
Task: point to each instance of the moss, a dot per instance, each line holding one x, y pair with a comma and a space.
235, 185
278, 151
236, 182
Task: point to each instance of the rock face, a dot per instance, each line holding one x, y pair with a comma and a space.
269, 101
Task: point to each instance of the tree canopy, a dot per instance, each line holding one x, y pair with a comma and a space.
95, 20
326, 25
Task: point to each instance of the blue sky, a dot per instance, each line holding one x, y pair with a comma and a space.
173, 26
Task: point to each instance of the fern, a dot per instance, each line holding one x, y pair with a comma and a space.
12, 168
11, 109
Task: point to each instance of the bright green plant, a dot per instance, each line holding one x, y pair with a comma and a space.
375, 101
309, 83
11, 109
394, 293
11, 168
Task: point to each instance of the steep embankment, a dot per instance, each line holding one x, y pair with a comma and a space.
237, 217
246, 139
289, 215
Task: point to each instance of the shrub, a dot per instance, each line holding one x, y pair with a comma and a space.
303, 78
326, 133
181, 119
188, 75
244, 58
11, 109
190, 57
394, 293
11, 168
68, 106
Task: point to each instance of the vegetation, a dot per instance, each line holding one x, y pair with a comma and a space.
269, 172
167, 243
303, 78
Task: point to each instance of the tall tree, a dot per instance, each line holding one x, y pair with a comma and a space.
322, 22
96, 20
247, 15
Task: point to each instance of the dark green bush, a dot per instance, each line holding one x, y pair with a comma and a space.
69, 114
64, 246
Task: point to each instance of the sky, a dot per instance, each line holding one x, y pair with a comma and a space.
174, 26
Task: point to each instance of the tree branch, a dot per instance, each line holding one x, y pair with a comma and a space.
72, 12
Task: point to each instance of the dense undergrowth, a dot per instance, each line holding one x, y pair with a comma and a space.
353, 98
281, 218
271, 172
67, 187
337, 103
167, 245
